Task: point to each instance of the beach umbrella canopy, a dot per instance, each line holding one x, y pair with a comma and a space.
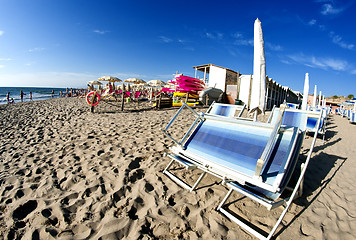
134, 80
258, 90
95, 82
110, 79
156, 83
314, 97
305, 92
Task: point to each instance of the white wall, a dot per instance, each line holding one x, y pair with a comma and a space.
245, 83
217, 77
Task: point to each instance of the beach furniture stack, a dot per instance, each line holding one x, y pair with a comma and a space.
255, 159
186, 89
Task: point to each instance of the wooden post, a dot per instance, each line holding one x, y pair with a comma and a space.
123, 97
92, 102
122, 100
159, 101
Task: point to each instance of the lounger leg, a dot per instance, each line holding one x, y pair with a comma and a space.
198, 181
225, 198
179, 181
169, 164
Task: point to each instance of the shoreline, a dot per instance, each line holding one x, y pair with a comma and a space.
70, 174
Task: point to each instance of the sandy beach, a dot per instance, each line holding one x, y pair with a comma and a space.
66, 173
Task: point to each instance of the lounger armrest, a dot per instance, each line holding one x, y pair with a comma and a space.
184, 162
199, 117
270, 144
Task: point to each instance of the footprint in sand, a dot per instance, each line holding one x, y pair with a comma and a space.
149, 187
135, 163
23, 210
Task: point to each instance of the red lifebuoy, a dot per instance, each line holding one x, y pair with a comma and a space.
89, 96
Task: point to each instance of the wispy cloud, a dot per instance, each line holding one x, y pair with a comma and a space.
319, 62
5, 59
1, 32
101, 32
183, 43
2, 66
312, 22
337, 39
165, 39
330, 9
37, 49
30, 64
214, 35
241, 40
273, 47
353, 71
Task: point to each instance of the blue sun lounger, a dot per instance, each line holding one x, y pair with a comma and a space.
313, 117
253, 158
353, 117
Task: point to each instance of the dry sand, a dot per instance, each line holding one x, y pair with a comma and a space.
66, 173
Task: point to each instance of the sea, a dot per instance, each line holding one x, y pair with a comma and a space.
38, 93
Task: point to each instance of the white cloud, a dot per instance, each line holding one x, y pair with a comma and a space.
337, 39
353, 71
215, 36
312, 22
2, 66
165, 39
37, 49
237, 35
329, 9
5, 59
1, 33
244, 42
322, 63
100, 31
274, 47
241, 40
30, 64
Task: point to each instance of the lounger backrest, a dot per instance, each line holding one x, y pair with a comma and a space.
226, 110
304, 120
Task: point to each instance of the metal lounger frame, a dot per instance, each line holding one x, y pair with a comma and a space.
189, 163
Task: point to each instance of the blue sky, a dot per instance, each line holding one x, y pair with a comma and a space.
66, 43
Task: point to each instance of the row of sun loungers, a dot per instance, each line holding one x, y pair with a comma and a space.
252, 158
351, 115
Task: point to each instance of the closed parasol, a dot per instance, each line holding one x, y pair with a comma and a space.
258, 91
305, 92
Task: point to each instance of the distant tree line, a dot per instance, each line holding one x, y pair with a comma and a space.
350, 96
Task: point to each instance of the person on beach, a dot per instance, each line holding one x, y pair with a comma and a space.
61, 93
30, 96
21, 95
52, 94
12, 100
8, 97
